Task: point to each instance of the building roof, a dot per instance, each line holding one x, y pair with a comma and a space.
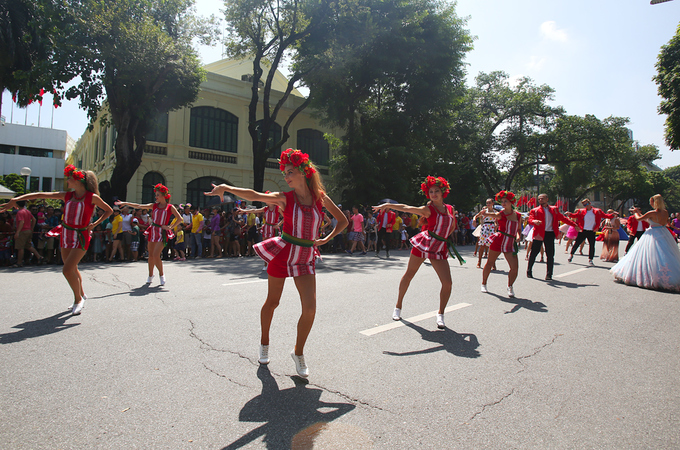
236, 69
6, 192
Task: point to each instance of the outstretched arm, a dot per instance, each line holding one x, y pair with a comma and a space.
274, 198
32, 196
419, 210
133, 205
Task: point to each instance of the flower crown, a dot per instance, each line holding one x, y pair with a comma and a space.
71, 171
440, 182
297, 159
163, 190
506, 194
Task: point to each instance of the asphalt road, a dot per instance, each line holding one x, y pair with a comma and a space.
580, 362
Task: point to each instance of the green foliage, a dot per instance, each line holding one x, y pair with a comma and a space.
668, 81
15, 182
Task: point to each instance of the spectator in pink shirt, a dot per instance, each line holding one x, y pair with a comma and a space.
357, 236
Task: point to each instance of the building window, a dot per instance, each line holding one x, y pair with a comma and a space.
105, 138
274, 136
213, 128
7, 149
95, 152
47, 184
159, 129
31, 151
150, 180
312, 142
196, 189
34, 184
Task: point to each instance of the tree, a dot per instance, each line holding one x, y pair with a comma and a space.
14, 182
137, 55
268, 31
389, 78
668, 81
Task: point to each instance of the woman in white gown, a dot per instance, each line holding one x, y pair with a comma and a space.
654, 261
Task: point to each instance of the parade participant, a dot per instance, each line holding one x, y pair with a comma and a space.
654, 262
487, 230
635, 227
546, 220
293, 253
588, 219
504, 240
431, 244
384, 224
76, 229
161, 229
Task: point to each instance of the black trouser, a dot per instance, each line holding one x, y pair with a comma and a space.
383, 238
631, 239
549, 242
582, 236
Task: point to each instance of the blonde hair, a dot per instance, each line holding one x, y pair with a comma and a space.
91, 182
657, 202
315, 184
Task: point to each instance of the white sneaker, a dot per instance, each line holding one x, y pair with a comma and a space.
396, 315
162, 280
70, 308
570, 258
511, 293
78, 307
440, 321
264, 268
264, 354
484, 289
149, 280
300, 365
590, 262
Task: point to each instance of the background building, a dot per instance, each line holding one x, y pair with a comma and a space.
43, 150
208, 142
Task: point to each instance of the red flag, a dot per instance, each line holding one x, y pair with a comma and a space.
14, 97
55, 98
42, 92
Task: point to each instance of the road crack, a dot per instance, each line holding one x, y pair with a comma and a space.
535, 352
489, 405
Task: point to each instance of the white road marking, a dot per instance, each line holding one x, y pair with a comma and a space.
399, 323
244, 282
570, 273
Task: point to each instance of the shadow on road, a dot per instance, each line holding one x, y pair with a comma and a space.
286, 413
521, 303
37, 328
463, 345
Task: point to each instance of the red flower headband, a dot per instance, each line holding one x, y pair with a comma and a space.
71, 171
506, 194
297, 159
440, 182
163, 190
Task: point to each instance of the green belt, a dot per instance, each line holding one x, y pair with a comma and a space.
79, 231
165, 235
270, 224
450, 246
297, 241
515, 245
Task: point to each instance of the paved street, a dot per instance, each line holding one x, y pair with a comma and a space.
580, 362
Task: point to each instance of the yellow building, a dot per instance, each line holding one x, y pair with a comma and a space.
207, 142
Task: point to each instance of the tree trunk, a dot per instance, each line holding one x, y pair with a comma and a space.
128, 159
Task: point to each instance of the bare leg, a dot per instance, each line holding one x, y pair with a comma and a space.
306, 286
493, 255
413, 265
155, 250
441, 266
274, 291
514, 267
71, 258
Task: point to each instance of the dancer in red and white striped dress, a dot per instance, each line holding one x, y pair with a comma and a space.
293, 253
161, 227
76, 228
431, 244
504, 240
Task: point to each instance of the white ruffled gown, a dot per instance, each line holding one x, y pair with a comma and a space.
653, 262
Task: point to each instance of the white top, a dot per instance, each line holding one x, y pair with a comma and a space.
589, 221
127, 222
548, 219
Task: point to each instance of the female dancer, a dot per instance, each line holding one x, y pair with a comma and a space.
76, 229
161, 227
293, 253
487, 230
654, 261
610, 240
271, 225
505, 239
430, 244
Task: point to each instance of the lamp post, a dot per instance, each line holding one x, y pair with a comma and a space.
26, 172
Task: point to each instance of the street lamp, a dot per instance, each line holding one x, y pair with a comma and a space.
26, 172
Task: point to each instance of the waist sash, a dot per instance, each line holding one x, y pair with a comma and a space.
450, 247
515, 245
79, 231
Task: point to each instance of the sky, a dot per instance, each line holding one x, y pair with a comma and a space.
598, 56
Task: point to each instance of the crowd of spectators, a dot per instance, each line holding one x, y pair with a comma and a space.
224, 231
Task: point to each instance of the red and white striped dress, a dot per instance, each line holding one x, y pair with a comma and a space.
501, 242
77, 214
271, 218
159, 217
285, 259
424, 245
